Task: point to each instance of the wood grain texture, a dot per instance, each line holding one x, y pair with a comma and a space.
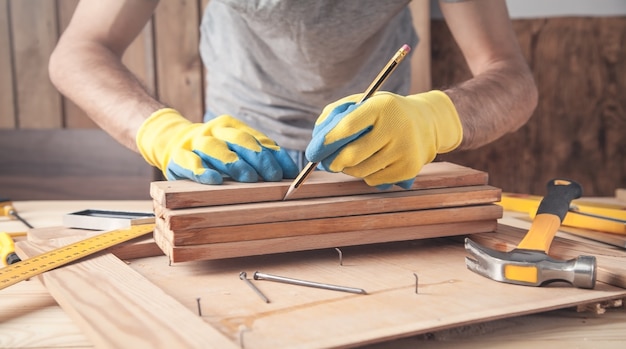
449, 294
620, 194
449, 297
187, 194
178, 65
116, 307
280, 211
567, 327
38, 102
578, 128
252, 218
420, 60
318, 241
7, 102
328, 225
31, 318
85, 164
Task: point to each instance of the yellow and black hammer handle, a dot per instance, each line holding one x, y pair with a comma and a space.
550, 214
529, 263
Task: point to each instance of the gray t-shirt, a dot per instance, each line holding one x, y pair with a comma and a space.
275, 64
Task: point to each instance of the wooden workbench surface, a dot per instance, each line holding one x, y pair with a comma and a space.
31, 318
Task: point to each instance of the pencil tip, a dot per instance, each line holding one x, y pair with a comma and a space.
289, 191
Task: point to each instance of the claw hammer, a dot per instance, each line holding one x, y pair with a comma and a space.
529, 264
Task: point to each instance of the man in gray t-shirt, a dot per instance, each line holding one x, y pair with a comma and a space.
287, 76
279, 83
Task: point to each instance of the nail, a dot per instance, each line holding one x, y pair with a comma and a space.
340, 256
16, 215
286, 280
199, 308
416, 281
243, 276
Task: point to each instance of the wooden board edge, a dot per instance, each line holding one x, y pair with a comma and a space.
321, 226
312, 242
352, 205
185, 194
620, 194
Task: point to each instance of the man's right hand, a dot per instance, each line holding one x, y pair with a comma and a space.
205, 152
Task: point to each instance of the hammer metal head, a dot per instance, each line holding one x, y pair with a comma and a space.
529, 267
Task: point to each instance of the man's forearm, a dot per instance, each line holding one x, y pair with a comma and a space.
494, 103
95, 79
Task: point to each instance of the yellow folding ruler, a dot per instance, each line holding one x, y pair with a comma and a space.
608, 218
34, 266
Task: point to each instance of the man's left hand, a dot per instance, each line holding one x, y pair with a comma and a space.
387, 139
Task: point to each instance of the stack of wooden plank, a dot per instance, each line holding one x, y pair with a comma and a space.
200, 222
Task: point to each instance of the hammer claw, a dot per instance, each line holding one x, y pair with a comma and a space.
476, 267
483, 261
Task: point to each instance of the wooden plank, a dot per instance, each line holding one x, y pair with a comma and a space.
280, 211
319, 241
139, 58
620, 194
321, 226
449, 294
31, 318
116, 307
178, 67
187, 194
38, 101
70, 164
420, 60
7, 102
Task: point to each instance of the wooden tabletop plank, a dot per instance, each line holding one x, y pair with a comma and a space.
449, 294
116, 307
233, 309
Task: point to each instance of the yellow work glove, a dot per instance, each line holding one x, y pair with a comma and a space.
387, 139
205, 152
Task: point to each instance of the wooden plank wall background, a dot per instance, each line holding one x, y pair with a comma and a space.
577, 131
579, 128
29, 30
35, 118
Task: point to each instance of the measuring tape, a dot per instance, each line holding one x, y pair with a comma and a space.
34, 266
